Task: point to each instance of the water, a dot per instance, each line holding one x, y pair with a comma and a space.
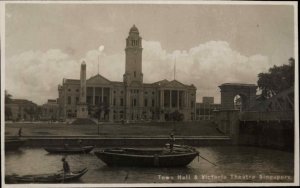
234, 164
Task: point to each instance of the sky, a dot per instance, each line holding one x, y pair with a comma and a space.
211, 44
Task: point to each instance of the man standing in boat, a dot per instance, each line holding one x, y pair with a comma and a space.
66, 167
20, 132
172, 141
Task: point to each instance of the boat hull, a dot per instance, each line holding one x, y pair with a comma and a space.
46, 178
13, 144
81, 150
156, 159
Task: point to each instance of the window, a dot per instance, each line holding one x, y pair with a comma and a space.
192, 104
153, 102
134, 74
69, 100
146, 102
114, 101
69, 90
134, 102
121, 102
77, 100
122, 92
77, 90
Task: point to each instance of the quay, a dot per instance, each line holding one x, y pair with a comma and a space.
125, 141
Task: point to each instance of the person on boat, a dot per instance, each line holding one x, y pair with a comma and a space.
80, 143
66, 167
20, 132
172, 141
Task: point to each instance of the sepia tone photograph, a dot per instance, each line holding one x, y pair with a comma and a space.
133, 93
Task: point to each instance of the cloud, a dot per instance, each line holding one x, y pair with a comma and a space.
35, 75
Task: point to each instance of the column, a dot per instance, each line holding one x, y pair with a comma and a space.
111, 96
111, 109
177, 99
93, 95
170, 99
102, 95
185, 99
161, 98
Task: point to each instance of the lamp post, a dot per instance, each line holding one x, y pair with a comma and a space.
100, 49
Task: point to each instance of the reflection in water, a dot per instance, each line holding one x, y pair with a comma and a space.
234, 164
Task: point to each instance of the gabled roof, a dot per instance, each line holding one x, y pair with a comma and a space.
172, 84
98, 79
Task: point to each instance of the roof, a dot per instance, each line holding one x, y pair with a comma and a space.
173, 83
134, 29
238, 84
71, 81
22, 101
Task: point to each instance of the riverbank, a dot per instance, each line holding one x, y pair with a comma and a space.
107, 130
46, 141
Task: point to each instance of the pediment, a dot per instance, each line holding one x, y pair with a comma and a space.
98, 80
174, 84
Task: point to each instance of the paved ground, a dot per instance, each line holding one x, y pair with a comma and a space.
200, 128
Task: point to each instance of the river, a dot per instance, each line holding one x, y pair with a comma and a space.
234, 165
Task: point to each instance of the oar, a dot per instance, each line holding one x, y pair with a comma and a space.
207, 160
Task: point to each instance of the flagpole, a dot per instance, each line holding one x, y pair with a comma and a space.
175, 69
98, 63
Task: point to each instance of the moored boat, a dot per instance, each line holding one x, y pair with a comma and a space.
70, 150
180, 156
59, 177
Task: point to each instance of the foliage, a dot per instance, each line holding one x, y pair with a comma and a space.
279, 78
7, 97
8, 112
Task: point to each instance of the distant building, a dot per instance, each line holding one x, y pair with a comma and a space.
208, 100
22, 110
204, 110
131, 99
50, 110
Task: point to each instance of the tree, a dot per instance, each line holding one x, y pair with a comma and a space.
7, 97
8, 113
8, 100
30, 111
279, 78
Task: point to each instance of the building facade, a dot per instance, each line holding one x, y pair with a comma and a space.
131, 99
21, 110
205, 110
50, 111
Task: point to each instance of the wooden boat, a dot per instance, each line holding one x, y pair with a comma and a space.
70, 150
14, 144
59, 177
180, 156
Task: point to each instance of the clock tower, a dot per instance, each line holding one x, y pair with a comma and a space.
133, 55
